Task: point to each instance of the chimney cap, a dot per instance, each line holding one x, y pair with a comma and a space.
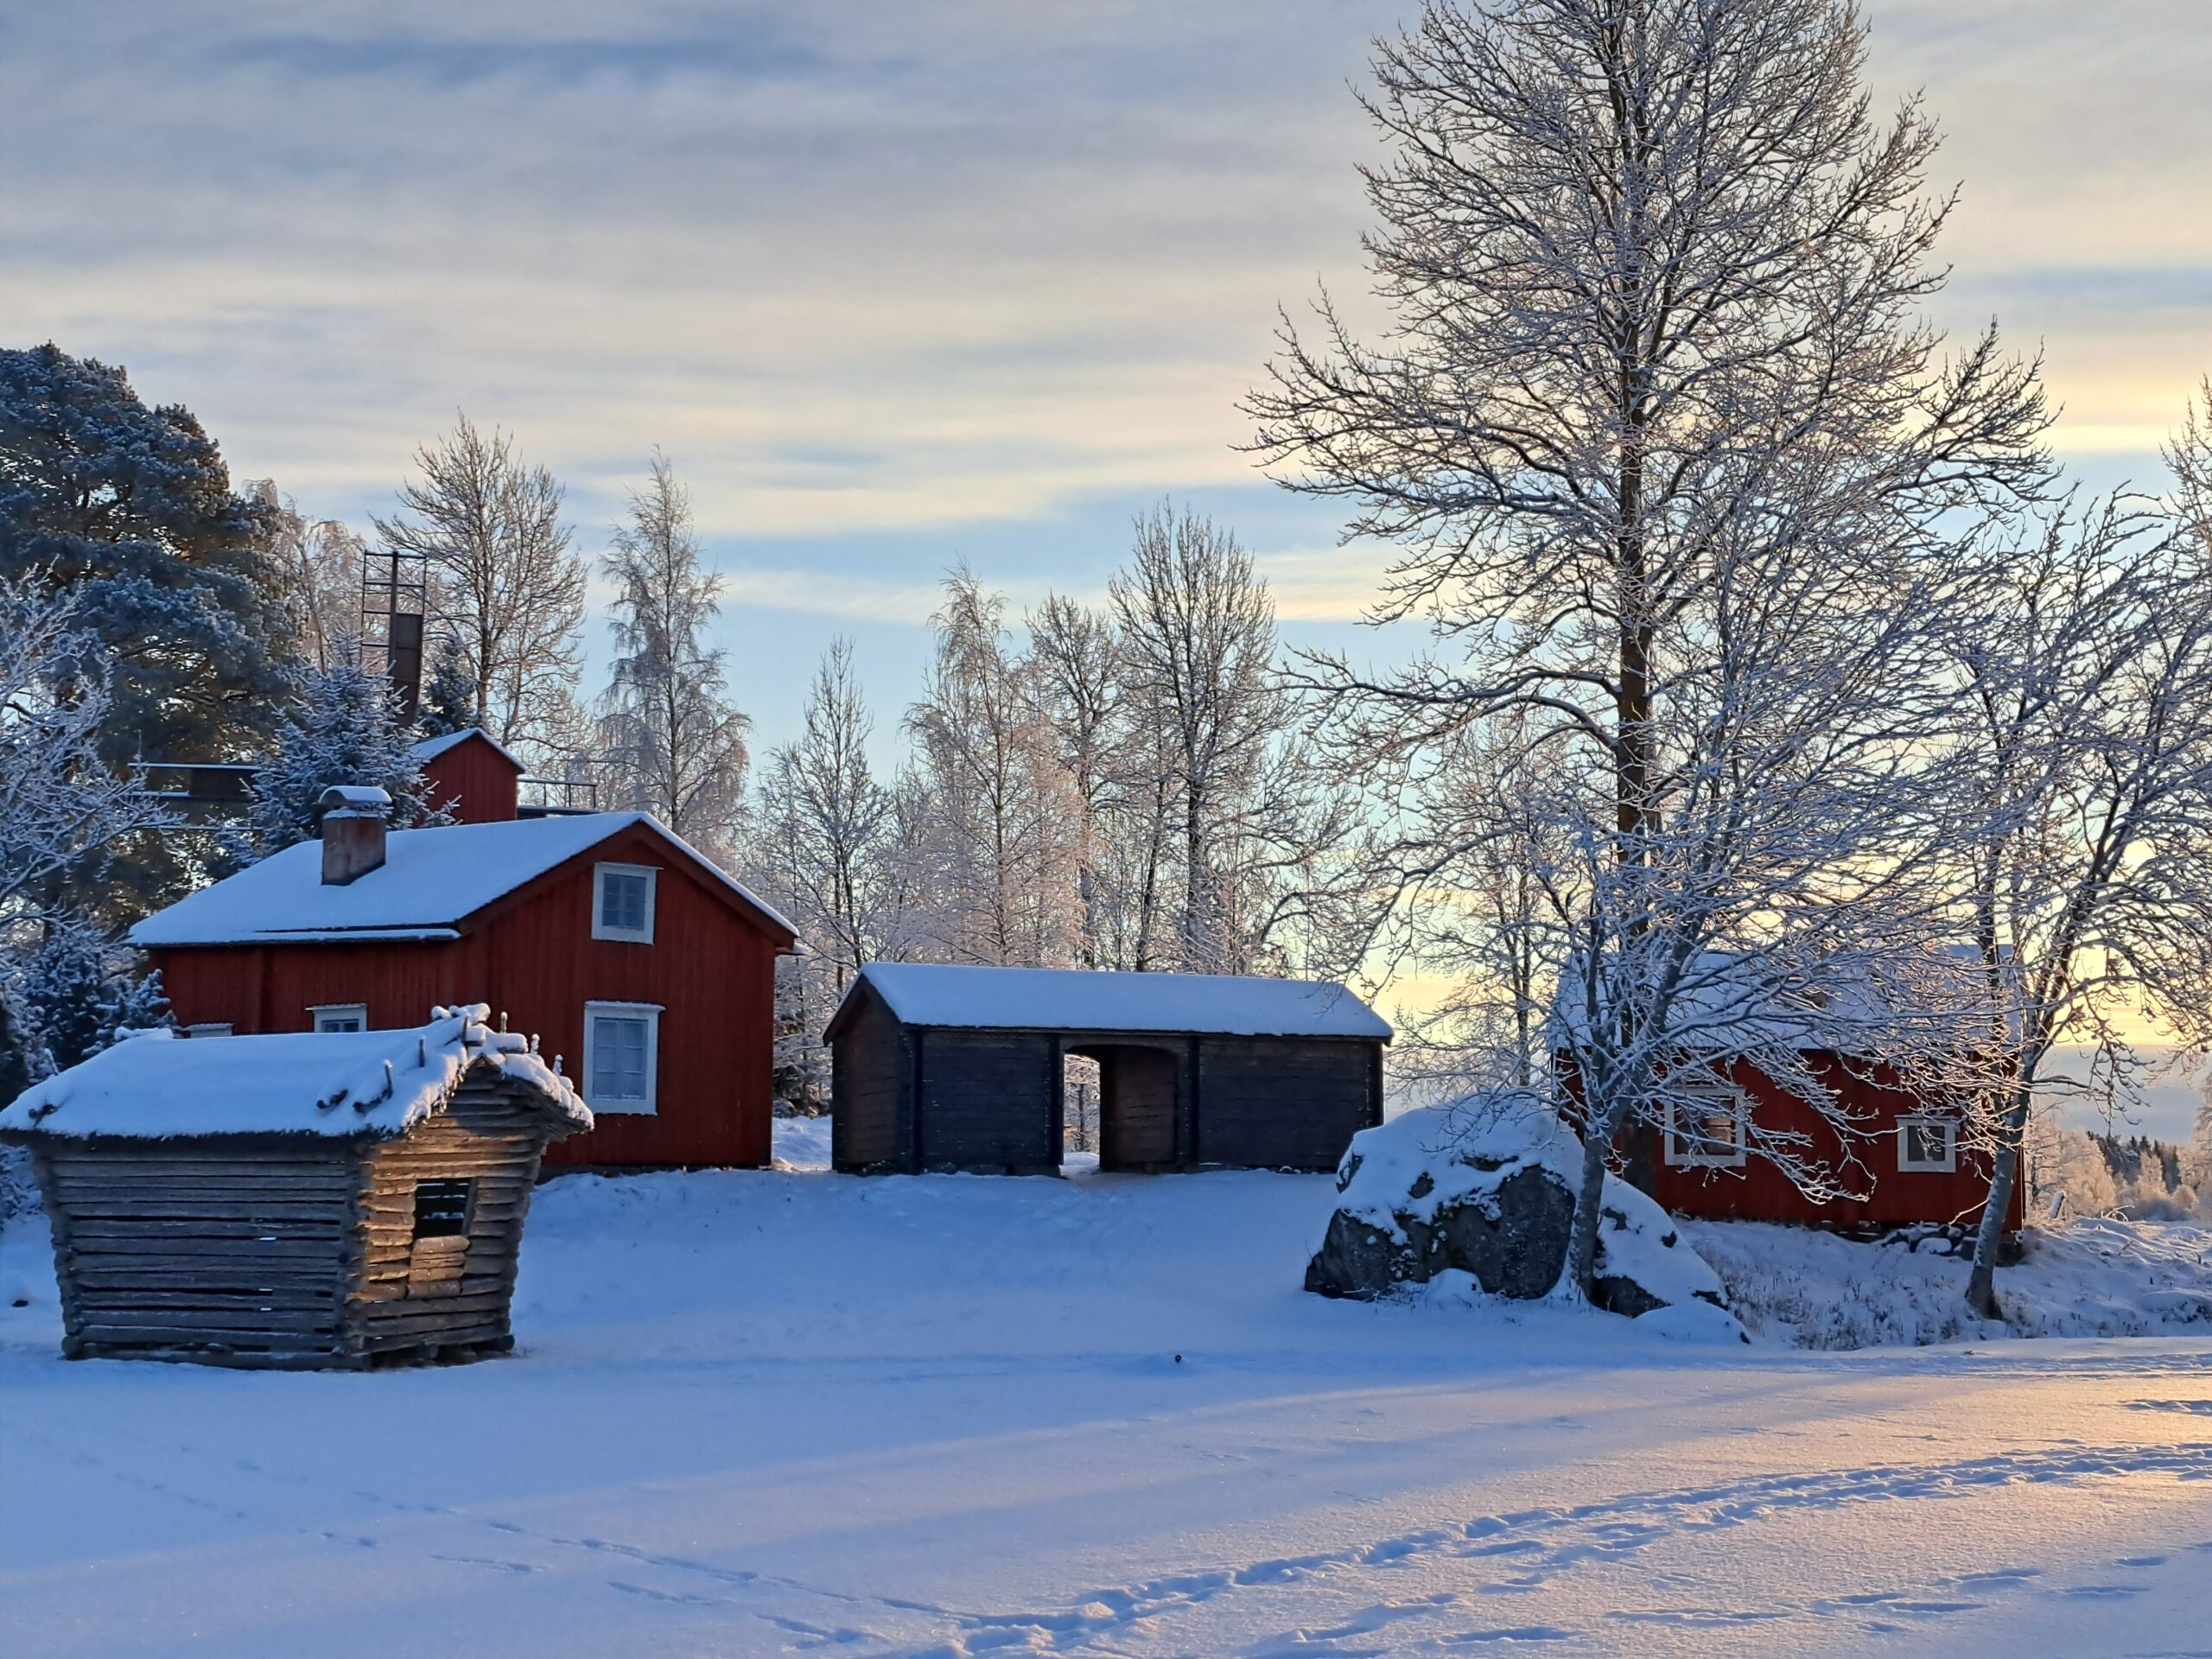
354, 800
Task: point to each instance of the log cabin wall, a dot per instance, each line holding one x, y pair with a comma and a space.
421, 1281
209, 1249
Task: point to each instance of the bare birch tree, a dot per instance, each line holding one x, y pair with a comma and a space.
1669, 452
322, 560
671, 740
2091, 762
1077, 662
511, 586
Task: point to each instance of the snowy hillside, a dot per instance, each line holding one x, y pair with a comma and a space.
794, 1412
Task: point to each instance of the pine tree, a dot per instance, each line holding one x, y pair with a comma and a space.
344, 729
130, 510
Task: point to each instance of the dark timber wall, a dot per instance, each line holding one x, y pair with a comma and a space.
915, 1097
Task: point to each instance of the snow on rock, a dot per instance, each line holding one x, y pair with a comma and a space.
2093, 1278
375, 1083
1486, 1186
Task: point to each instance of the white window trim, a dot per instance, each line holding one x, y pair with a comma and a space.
316, 1010
623, 935
1732, 1158
209, 1028
1948, 1165
651, 1013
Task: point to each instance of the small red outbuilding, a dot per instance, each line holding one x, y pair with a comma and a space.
624, 952
471, 775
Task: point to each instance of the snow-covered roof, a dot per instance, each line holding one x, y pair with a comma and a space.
431, 880
1076, 999
337, 1084
431, 748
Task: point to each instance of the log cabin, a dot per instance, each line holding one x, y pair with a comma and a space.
298, 1202
947, 1067
623, 950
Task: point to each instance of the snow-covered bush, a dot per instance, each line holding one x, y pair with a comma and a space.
75, 993
1487, 1186
345, 729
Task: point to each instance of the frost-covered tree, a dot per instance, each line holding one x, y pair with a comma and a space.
2090, 764
1003, 818
76, 993
62, 813
344, 727
322, 561
129, 510
1078, 663
671, 742
511, 587
1686, 487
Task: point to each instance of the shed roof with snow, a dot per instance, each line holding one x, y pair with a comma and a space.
1083, 999
430, 883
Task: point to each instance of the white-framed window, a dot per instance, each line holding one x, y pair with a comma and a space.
1927, 1146
209, 1028
1705, 1127
621, 1056
622, 903
340, 1016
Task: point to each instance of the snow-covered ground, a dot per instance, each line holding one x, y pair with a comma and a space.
790, 1411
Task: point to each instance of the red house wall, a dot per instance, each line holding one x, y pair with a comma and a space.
482, 785
711, 970
1756, 1191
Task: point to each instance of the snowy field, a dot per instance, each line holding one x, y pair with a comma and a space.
794, 1412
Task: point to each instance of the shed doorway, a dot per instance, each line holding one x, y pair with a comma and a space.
1137, 1087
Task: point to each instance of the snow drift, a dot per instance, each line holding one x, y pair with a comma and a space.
1487, 1186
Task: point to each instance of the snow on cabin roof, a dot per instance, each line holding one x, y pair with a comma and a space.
430, 881
1078, 999
337, 1084
431, 748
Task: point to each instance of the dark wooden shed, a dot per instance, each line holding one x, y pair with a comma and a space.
940, 1067
319, 1200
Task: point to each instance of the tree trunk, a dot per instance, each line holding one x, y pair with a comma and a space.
1581, 1267
1981, 1283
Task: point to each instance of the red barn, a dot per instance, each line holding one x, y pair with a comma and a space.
471, 775
648, 971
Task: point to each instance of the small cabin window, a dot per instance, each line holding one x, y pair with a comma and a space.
441, 1208
1927, 1146
621, 1056
622, 903
208, 1029
1705, 1127
340, 1016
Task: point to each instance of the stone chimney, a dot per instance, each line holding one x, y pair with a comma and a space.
352, 833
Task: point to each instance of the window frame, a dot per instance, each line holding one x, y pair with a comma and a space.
1739, 1114
600, 927
1948, 1165
317, 1011
465, 1223
651, 1013
211, 1028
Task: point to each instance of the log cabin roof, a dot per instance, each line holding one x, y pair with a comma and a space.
338, 1085
429, 885
1081, 1000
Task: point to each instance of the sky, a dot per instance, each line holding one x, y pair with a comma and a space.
899, 285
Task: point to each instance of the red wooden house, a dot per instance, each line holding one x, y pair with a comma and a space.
1902, 1152
648, 971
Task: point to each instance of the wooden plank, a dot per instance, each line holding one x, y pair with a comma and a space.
223, 1324
137, 1299
269, 1249
156, 1232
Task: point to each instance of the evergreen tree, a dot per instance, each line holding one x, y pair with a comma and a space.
77, 993
343, 729
130, 509
449, 701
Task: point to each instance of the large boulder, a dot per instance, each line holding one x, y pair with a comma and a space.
1487, 1186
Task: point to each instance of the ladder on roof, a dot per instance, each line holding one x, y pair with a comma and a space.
395, 605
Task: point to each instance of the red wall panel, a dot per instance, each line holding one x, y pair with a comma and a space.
473, 781
711, 967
